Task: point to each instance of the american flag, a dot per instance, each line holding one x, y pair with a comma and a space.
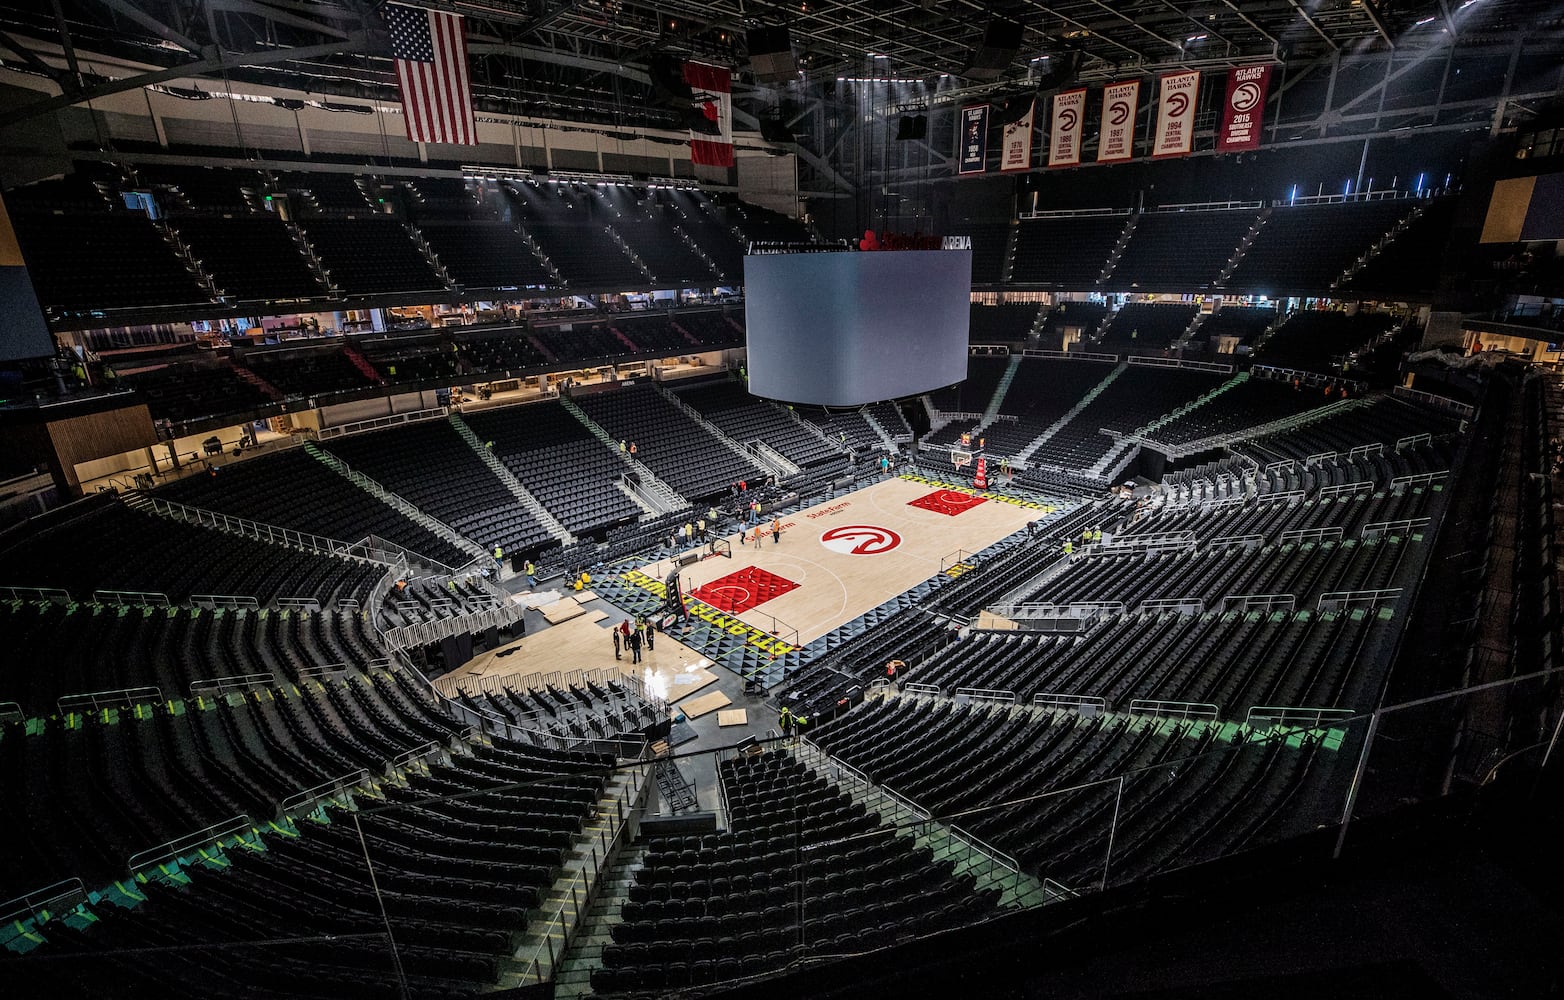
430, 49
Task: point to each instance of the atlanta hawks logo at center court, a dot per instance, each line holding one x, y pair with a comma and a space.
860, 539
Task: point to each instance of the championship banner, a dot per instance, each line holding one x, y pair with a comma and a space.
973, 158
1016, 147
1176, 99
1064, 144
1244, 109
1117, 140
711, 143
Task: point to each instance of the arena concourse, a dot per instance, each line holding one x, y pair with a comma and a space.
426, 573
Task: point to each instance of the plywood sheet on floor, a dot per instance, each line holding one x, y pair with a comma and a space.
697, 707
733, 717
562, 611
674, 684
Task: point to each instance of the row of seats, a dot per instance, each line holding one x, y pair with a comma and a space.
92, 647
744, 418
1317, 339
1179, 251
585, 711
1135, 398
114, 547
433, 921
432, 466
294, 490
802, 871
189, 390
168, 774
678, 450
1141, 327
1193, 791
571, 472
1251, 402
1005, 322
1307, 247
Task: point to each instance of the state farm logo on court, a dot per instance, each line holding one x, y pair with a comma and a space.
860, 539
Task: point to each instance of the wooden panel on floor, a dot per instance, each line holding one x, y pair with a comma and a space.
733, 717
676, 684
582, 643
562, 611
706, 703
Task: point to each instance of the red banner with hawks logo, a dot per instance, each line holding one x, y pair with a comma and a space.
711, 144
1243, 112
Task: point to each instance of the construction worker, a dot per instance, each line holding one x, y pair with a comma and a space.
776, 531
785, 721
532, 573
700, 527
499, 556
1097, 535
1086, 536
1069, 548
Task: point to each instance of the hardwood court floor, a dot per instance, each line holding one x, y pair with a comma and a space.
850, 554
672, 669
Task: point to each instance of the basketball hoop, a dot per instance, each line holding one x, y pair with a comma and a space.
960, 459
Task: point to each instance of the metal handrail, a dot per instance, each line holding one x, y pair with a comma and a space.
173, 848
294, 803
1174, 709
32, 902
1046, 699
113, 697
54, 594
120, 597
608, 841
224, 685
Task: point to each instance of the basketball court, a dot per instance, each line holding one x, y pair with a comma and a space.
841, 558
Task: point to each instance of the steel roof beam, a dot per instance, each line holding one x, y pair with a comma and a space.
271, 13
1311, 22
216, 64
1379, 22
153, 25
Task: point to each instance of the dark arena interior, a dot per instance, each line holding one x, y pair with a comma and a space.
1111, 551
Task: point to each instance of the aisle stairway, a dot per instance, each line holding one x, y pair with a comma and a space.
654, 494
504, 475
393, 500
879, 429
1000, 388
593, 857
574, 975
1027, 452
